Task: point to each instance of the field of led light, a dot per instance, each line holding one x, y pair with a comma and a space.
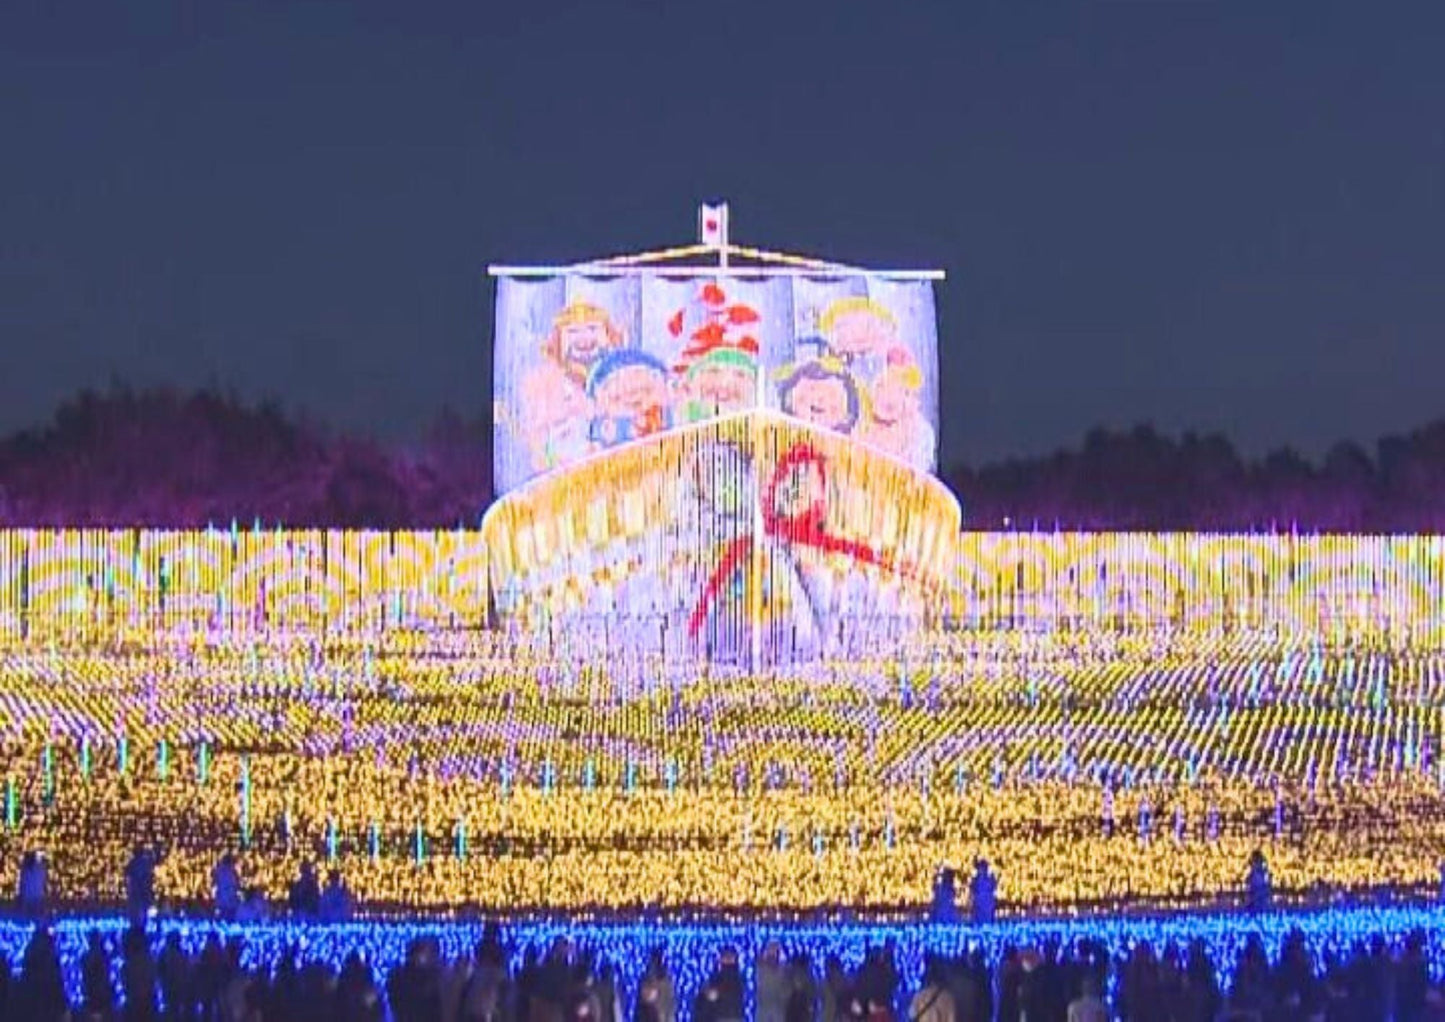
442, 770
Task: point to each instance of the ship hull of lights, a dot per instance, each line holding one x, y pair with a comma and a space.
750, 541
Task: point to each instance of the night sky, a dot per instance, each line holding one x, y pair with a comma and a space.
1211, 216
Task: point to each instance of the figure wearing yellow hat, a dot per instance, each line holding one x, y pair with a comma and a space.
893, 418
581, 334
861, 332
555, 410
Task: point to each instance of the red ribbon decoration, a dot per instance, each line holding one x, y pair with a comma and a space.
807, 527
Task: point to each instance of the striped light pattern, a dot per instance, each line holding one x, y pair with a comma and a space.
559, 533
98, 583
1327, 587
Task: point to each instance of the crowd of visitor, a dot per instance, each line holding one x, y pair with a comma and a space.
307, 898
141, 977
1057, 982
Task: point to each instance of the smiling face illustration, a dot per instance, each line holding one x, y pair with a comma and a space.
861, 333
582, 334
856, 328
583, 343
724, 386
822, 393
823, 402
894, 399
630, 392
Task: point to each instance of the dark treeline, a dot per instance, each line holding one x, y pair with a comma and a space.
1141, 479
160, 458
164, 459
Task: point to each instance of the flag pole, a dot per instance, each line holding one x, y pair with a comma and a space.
722, 252
757, 556
753, 584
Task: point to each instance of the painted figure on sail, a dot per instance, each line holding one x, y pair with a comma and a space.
822, 391
554, 413
582, 334
717, 367
558, 420
633, 400
893, 420
861, 333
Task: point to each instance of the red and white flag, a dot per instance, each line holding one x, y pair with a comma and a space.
712, 224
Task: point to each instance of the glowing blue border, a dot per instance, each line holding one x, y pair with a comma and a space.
691, 948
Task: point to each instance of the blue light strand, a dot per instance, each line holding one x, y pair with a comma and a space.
691, 948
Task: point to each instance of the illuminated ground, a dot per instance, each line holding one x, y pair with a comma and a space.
448, 771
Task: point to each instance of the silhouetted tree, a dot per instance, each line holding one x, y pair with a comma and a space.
124, 458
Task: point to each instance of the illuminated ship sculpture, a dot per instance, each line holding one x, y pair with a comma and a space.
718, 453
